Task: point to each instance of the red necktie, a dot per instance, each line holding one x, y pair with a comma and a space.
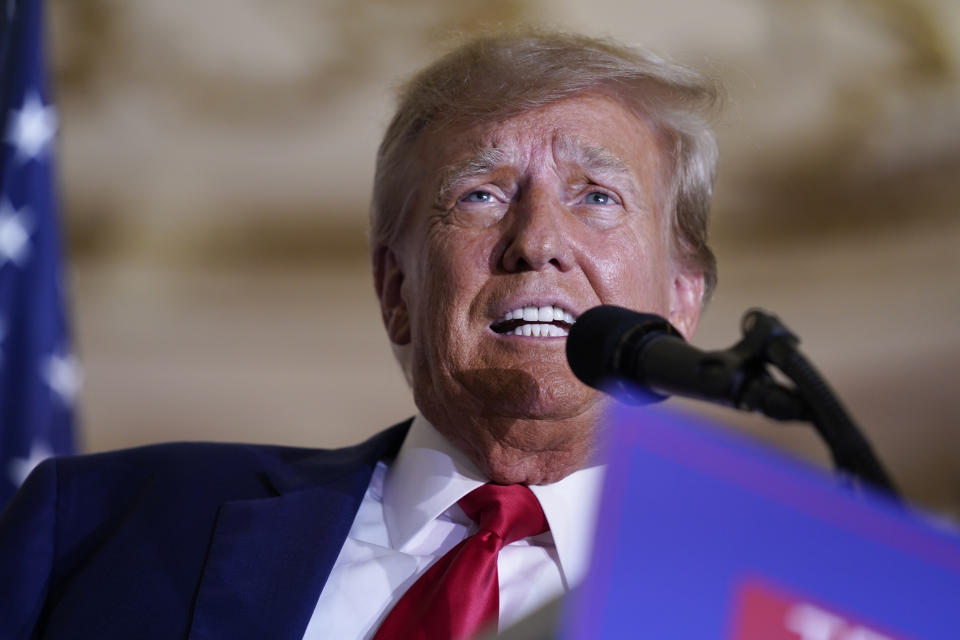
459, 594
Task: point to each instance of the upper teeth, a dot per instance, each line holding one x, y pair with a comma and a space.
548, 313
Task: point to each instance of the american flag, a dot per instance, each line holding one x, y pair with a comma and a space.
39, 376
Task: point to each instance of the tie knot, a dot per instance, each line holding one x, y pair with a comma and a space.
510, 511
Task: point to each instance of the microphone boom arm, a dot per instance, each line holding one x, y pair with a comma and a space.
848, 446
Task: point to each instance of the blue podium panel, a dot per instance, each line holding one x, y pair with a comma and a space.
705, 534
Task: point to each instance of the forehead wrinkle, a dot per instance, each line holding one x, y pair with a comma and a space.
588, 156
483, 159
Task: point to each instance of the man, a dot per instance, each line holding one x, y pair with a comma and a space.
524, 179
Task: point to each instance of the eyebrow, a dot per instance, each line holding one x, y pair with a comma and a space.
483, 161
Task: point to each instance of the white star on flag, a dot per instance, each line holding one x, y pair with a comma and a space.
63, 375
20, 468
14, 236
32, 127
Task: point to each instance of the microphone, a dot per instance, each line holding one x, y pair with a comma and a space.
641, 358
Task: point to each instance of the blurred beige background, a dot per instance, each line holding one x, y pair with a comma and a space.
216, 162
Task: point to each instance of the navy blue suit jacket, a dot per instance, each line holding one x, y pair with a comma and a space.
180, 540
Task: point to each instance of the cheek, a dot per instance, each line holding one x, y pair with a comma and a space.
631, 271
448, 271
451, 268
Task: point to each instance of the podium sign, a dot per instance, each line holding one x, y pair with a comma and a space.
704, 534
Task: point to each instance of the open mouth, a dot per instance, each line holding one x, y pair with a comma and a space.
550, 321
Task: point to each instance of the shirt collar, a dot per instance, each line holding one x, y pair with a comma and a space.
429, 475
571, 507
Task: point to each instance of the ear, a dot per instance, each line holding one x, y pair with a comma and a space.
388, 283
686, 301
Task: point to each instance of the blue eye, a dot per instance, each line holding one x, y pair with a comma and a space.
598, 197
478, 196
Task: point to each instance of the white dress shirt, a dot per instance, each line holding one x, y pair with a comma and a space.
409, 518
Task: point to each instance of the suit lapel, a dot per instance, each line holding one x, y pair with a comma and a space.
270, 557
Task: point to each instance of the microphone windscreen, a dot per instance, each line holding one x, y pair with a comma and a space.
594, 339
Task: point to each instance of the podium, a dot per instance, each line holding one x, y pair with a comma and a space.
705, 534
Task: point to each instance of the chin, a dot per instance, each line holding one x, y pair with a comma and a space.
532, 392
534, 424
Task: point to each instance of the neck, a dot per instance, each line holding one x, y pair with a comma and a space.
522, 451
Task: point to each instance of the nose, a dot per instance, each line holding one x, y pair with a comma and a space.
535, 237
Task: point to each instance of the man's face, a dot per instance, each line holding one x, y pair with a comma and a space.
518, 227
